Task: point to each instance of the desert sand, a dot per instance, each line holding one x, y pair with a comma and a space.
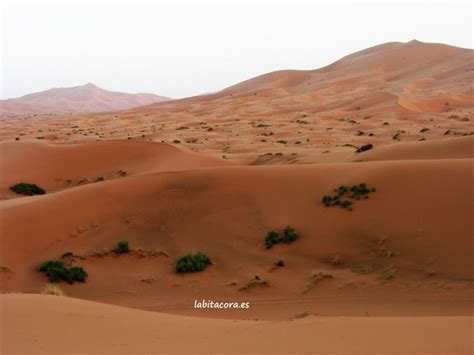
125, 330
215, 173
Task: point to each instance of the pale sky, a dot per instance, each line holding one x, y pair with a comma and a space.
184, 48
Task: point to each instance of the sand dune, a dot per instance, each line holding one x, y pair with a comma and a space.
111, 329
227, 211
56, 167
450, 148
84, 98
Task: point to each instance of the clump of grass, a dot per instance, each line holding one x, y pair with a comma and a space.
256, 281
388, 273
56, 271
362, 269
51, 289
25, 188
335, 261
316, 276
192, 263
122, 247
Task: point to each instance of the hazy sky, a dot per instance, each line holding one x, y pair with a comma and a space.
183, 48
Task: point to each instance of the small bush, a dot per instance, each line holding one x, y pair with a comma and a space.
289, 235
122, 247
56, 271
279, 263
192, 263
76, 274
50, 289
364, 148
272, 238
28, 189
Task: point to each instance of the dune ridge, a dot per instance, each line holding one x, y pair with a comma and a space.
125, 330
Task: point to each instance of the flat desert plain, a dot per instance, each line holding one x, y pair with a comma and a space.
385, 268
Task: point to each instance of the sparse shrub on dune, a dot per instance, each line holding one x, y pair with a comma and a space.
51, 289
279, 263
344, 195
273, 237
289, 235
25, 188
122, 247
364, 148
56, 271
76, 274
192, 263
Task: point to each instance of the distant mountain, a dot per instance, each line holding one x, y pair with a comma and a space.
86, 98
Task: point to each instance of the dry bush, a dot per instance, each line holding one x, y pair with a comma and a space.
51, 289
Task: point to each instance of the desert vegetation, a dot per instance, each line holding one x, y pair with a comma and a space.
192, 262
344, 195
52, 289
25, 188
273, 237
122, 247
56, 271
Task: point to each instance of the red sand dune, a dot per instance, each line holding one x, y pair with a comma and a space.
84, 98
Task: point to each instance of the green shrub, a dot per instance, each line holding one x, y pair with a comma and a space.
56, 271
289, 235
192, 263
327, 200
25, 188
76, 274
343, 195
272, 238
364, 148
122, 247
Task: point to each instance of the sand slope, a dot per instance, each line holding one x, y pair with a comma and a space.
450, 148
88, 327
